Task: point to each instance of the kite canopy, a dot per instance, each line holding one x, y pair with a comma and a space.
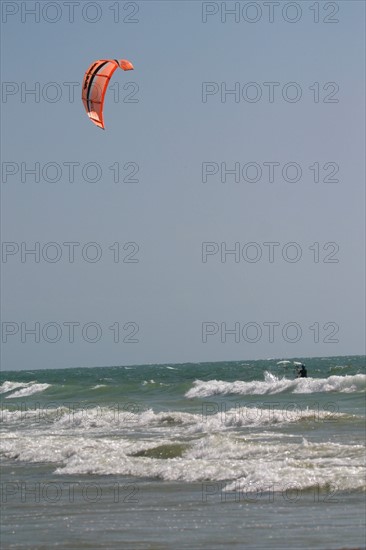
95, 84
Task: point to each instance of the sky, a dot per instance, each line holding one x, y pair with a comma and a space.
220, 215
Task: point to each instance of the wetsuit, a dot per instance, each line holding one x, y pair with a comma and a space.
302, 373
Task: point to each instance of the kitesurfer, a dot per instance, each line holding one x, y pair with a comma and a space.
301, 371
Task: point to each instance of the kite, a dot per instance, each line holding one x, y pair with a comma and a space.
95, 84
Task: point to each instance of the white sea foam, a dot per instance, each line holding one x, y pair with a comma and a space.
242, 463
219, 458
109, 420
273, 384
10, 386
29, 389
99, 386
214, 447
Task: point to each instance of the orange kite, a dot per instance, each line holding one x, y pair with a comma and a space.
95, 84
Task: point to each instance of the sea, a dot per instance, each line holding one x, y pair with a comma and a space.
232, 455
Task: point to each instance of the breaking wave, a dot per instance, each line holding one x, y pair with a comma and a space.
273, 384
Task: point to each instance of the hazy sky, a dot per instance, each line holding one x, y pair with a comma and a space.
241, 129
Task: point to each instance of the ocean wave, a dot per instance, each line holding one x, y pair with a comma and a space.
108, 421
273, 384
10, 386
242, 463
29, 389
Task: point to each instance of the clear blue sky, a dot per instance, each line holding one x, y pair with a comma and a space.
169, 132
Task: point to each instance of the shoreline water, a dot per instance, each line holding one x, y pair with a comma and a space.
235, 454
